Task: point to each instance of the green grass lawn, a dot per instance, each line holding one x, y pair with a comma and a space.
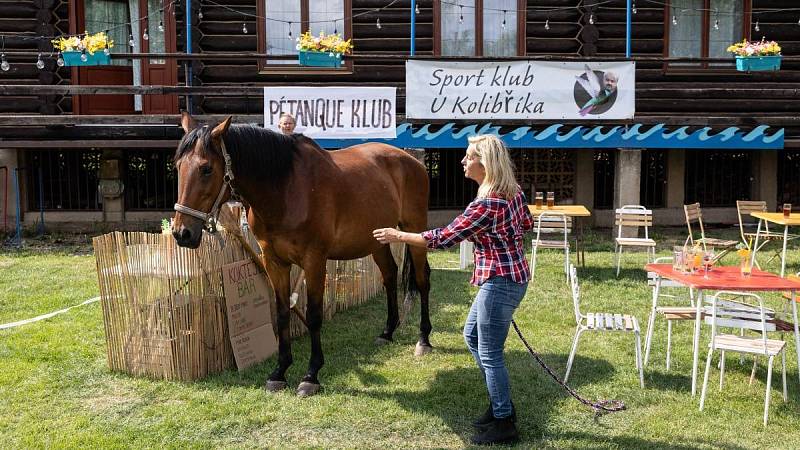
56, 389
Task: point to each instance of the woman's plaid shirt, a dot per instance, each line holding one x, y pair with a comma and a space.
496, 226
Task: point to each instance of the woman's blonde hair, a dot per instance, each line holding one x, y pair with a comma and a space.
493, 155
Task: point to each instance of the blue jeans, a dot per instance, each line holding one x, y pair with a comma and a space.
485, 332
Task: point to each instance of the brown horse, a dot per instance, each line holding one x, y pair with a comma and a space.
307, 205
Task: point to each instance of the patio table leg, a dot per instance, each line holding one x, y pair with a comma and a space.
696, 343
783, 254
754, 248
796, 331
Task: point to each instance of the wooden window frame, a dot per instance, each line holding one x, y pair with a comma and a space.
706, 17
522, 9
264, 68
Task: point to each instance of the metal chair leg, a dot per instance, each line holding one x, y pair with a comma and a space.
572, 352
639, 364
769, 386
705, 378
669, 342
721, 369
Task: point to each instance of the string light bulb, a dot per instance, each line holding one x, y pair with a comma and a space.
60, 60
335, 31
547, 24
146, 35
716, 24
39, 62
290, 29
460, 14
161, 26
674, 20
633, 8
416, 8
378, 23
4, 65
131, 42
757, 28
591, 19
503, 24
200, 12
244, 28
84, 56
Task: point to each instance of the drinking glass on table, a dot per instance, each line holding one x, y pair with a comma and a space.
551, 199
539, 199
787, 210
708, 261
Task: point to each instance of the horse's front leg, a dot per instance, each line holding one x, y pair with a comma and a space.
279, 275
315, 288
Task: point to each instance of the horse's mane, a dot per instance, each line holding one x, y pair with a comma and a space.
256, 153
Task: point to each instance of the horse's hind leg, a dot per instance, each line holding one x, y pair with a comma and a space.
422, 275
385, 261
315, 284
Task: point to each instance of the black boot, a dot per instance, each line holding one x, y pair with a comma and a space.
486, 419
500, 431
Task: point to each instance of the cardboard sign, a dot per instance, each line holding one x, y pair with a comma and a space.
247, 298
254, 346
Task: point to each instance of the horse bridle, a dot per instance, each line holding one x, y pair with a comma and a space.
210, 218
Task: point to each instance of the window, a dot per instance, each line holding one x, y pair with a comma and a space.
705, 28
63, 180
280, 22
718, 177
604, 162
479, 28
788, 185
653, 181
151, 182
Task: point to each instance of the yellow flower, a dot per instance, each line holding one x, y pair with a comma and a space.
331, 43
91, 42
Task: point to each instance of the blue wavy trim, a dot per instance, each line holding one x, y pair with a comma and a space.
578, 137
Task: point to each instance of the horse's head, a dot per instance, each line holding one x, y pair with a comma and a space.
202, 180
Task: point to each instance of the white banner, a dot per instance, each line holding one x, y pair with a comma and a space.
334, 112
520, 90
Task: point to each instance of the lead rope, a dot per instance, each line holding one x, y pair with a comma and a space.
600, 407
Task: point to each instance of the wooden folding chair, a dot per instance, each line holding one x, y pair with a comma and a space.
555, 224
748, 222
635, 216
601, 322
695, 215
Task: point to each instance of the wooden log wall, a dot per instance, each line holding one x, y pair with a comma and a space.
25, 20
570, 33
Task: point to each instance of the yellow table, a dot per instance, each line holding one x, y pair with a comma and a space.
574, 211
779, 219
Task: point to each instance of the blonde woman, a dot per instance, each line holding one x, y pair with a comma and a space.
495, 222
286, 123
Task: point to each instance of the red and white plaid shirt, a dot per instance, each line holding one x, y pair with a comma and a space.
496, 226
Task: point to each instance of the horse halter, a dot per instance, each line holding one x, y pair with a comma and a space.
210, 218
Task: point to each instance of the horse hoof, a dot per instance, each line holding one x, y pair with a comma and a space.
275, 386
306, 389
422, 349
379, 341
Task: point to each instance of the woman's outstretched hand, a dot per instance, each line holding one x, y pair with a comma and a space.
387, 235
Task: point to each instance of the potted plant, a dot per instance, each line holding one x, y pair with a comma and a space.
756, 55
88, 50
323, 50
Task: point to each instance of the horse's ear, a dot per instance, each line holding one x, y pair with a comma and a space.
220, 129
187, 123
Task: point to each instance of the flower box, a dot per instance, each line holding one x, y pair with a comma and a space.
73, 58
758, 63
319, 59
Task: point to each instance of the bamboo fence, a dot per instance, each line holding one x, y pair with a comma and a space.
164, 307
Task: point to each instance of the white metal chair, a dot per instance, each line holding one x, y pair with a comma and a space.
695, 215
601, 322
746, 221
633, 216
465, 254
725, 313
555, 224
669, 312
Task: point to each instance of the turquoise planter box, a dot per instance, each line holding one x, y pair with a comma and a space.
99, 58
758, 63
319, 59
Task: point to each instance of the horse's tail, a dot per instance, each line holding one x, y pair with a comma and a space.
408, 279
